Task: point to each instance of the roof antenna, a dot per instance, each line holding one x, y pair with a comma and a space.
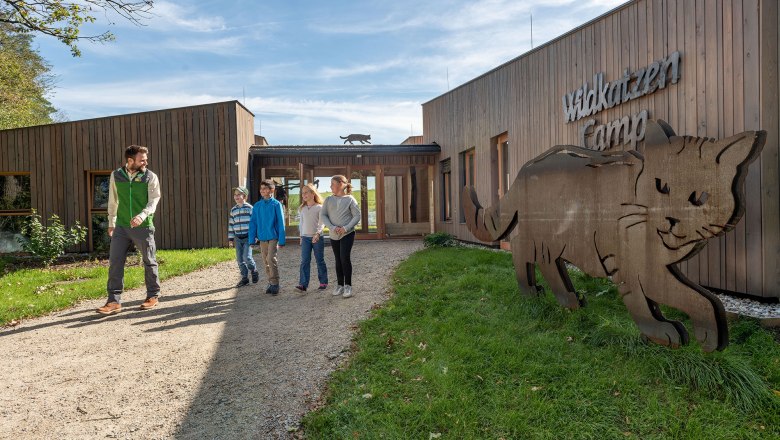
532, 30
448, 79
243, 90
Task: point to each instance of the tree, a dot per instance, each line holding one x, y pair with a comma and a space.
63, 19
24, 82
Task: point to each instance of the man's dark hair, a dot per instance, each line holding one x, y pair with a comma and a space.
133, 150
269, 183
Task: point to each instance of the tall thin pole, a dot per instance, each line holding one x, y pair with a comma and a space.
448, 79
532, 31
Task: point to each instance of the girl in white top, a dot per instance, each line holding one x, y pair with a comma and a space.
341, 214
311, 231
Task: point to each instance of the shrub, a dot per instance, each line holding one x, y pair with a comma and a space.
49, 242
440, 239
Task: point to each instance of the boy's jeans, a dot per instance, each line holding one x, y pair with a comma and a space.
244, 258
319, 255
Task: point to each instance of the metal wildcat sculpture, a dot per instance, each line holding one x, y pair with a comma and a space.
631, 215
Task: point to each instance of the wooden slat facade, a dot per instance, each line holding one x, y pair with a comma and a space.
729, 83
199, 154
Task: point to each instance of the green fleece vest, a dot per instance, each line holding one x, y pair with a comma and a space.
132, 197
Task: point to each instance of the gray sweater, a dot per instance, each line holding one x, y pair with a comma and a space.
340, 211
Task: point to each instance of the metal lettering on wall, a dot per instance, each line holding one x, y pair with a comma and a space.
630, 215
627, 130
587, 101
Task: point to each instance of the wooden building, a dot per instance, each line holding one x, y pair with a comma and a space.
198, 152
726, 53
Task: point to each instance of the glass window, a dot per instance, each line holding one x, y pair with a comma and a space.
98, 210
467, 169
15, 193
15, 206
446, 190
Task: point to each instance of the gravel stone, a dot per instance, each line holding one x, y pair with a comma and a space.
211, 361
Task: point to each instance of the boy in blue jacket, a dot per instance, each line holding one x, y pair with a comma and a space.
266, 228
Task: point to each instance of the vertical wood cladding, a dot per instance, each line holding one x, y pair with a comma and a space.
199, 154
728, 84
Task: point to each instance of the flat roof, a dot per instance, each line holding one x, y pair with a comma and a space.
347, 150
234, 101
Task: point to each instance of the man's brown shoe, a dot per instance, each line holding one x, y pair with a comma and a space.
149, 303
110, 308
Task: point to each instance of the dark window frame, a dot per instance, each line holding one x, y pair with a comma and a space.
446, 189
91, 209
467, 173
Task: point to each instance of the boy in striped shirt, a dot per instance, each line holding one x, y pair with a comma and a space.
238, 232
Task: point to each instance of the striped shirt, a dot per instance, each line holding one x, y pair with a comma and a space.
238, 221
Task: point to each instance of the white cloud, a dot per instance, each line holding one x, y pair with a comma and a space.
171, 16
284, 120
359, 69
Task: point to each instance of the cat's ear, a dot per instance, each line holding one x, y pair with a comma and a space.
658, 132
739, 149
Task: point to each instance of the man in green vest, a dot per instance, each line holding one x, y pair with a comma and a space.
133, 194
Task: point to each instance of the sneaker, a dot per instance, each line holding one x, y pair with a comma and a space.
323, 286
338, 290
347, 291
149, 303
110, 308
274, 289
255, 277
300, 288
243, 282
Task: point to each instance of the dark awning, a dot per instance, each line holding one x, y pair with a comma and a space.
345, 150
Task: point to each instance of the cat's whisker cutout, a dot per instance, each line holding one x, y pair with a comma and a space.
634, 224
641, 214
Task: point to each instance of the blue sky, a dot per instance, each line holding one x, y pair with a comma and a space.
309, 71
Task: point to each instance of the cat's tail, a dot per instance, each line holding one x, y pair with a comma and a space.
487, 224
343, 137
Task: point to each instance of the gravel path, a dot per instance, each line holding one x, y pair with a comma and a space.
210, 361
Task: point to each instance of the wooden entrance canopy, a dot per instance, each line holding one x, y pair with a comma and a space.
396, 181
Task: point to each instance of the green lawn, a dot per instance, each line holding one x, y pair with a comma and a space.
458, 354
34, 292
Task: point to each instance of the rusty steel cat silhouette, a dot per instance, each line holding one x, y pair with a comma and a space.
630, 215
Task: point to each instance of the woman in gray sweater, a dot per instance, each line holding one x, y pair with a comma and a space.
340, 213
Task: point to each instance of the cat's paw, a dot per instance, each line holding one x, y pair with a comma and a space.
707, 337
669, 333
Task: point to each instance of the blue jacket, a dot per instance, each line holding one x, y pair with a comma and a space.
267, 221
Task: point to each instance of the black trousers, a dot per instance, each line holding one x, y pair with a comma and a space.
342, 250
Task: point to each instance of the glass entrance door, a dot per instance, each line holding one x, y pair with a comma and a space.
364, 190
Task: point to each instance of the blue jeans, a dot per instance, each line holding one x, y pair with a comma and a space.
319, 255
244, 258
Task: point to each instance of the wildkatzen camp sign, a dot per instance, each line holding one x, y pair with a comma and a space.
600, 95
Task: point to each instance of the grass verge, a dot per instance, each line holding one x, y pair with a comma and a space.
34, 292
458, 354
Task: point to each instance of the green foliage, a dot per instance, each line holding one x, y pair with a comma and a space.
27, 293
459, 353
50, 242
64, 19
24, 81
440, 239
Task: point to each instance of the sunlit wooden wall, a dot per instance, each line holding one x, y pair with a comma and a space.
199, 154
729, 83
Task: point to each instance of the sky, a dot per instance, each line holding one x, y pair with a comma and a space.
310, 71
